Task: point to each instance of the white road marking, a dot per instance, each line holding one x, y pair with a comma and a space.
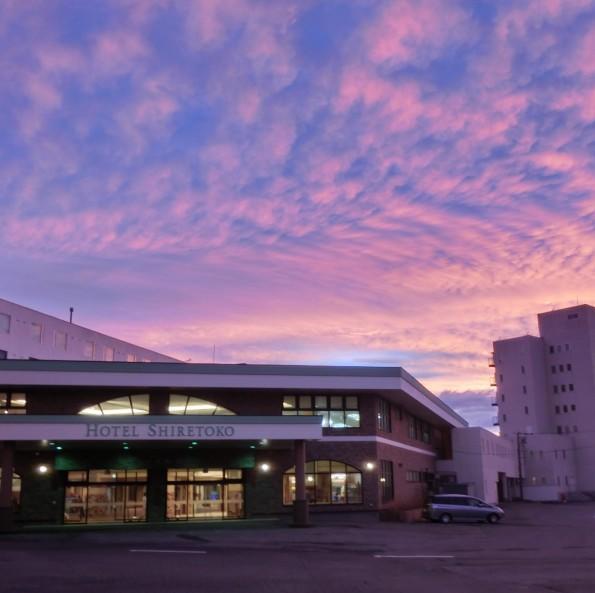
411, 556
170, 551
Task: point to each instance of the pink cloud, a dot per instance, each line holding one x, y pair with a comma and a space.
413, 31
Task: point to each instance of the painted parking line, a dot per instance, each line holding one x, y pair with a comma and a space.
422, 556
169, 551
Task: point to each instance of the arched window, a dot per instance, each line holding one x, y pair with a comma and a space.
327, 482
184, 405
129, 405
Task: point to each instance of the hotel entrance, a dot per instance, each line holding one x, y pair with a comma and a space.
105, 496
195, 494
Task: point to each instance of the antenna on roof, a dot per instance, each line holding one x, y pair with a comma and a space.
71, 312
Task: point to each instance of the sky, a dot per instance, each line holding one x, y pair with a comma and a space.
363, 182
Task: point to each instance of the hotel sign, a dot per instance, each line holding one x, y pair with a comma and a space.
159, 428
160, 431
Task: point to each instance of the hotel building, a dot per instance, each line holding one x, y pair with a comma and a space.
92, 442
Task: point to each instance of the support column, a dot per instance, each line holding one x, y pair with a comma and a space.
300, 505
6, 507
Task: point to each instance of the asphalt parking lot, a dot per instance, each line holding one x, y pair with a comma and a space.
538, 548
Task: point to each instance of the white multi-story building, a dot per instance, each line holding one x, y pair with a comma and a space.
546, 402
26, 333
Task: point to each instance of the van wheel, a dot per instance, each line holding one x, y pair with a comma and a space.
493, 518
445, 518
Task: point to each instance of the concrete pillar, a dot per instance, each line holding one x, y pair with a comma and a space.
300, 505
6, 508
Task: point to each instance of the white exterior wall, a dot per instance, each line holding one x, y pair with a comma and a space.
549, 468
569, 335
479, 456
25, 333
521, 386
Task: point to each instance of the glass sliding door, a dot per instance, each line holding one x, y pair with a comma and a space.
194, 494
233, 501
105, 496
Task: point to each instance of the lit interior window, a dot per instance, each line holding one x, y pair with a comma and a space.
184, 405
129, 405
327, 482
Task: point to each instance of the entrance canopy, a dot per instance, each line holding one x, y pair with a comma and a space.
159, 428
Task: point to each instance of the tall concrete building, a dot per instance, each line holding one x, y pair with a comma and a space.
26, 333
546, 402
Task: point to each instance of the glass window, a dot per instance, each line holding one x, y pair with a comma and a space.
109, 354
205, 475
351, 402
337, 411
353, 485
320, 402
204, 494
386, 480
305, 402
413, 476
13, 403
131, 358
4, 323
89, 350
185, 405
383, 422
129, 405
412, 428
337, 419
336, 402
18, 400
327, 482
322, 491
60, 340
323, 465
105, 496
36, 331
352, 419
140, 404
325, 417
177, 475
289, 402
